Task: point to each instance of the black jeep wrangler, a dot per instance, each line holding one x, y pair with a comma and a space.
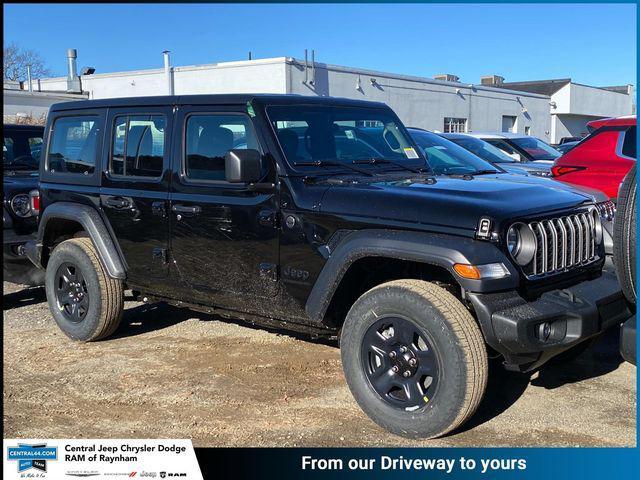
320, 215
21, 149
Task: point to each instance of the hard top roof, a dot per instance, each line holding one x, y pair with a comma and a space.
456, 135
218, 99
20, 126
497, 135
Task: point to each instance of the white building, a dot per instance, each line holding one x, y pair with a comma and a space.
573, 105
440, 104
32, 107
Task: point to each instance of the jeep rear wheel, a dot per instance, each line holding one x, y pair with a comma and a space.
85, 302
414, 358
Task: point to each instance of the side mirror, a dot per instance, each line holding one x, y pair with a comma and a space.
243, 166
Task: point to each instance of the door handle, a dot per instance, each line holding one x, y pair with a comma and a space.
193, 209
117, 202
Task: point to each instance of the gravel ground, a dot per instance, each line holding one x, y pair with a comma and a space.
173, 373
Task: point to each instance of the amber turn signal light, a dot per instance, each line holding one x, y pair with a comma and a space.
476, 272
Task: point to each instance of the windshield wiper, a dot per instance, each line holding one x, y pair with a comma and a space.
332, 163
378, 161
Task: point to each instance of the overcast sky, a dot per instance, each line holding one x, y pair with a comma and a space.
593, 44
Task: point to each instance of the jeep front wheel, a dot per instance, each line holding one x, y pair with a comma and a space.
85, 302
414, 358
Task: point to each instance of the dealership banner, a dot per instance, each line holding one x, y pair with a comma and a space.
60, 459
169, 459
419, 463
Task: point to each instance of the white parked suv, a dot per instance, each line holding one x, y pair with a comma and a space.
523, 148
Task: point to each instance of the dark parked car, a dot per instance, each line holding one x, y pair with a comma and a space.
565, 147
21, 149
564, 140
625, 256
523, 148
498, 157
327, 219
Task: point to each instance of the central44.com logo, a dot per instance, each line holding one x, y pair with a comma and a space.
32, 456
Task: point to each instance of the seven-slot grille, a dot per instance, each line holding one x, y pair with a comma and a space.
563, 243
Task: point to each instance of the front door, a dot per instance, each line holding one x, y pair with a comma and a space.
224, 237
135, 188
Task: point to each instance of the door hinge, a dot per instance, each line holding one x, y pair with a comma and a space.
269, 271
161, 254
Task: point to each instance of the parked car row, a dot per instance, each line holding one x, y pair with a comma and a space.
330, 217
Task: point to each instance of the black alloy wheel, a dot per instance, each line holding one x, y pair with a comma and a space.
72, 294
399, 363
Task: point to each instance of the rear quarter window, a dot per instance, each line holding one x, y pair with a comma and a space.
629, 143
73, 148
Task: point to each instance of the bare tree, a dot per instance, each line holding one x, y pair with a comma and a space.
15, 61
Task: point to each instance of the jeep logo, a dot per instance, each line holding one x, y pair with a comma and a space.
295, 274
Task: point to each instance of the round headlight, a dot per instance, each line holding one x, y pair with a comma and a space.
597, 223
21, 205
521, 243
513, 240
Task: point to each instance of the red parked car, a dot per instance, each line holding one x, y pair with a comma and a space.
602, 159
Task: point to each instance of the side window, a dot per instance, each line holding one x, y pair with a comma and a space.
209, 137
73, 145
629, 145
21, 149
138, 145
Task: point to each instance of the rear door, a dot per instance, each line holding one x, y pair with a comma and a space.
135, 188
224, 237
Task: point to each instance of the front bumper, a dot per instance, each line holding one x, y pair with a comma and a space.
528, 333
628, 340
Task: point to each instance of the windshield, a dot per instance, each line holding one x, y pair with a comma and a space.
446, 158
309, 133
484, 150
536, 149
21, 149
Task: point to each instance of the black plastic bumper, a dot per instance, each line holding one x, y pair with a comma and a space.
528, 333
628, 340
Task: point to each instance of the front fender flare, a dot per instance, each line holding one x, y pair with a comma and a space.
434, 249
92, 223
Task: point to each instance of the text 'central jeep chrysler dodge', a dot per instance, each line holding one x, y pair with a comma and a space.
320, 215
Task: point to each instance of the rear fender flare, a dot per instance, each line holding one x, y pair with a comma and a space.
95, 227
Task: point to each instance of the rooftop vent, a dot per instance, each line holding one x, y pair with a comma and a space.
446, 77
491, 80
73, 80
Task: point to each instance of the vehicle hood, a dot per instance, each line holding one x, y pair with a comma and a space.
448, 203
18, 183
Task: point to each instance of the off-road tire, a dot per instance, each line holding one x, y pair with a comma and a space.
624, 236
106, 294
456, 339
